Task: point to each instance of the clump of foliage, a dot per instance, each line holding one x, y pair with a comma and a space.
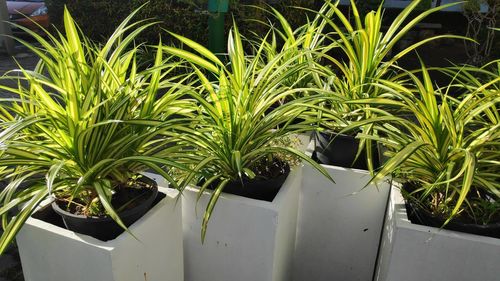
366, 58
84, 122
189, 18
97, 18
238, 125
445, 147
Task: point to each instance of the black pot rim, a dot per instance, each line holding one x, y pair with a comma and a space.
259, 189
149, 200
340, 149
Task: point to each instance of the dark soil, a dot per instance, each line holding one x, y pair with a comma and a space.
126, 197
420, 213
269, 177
264, 169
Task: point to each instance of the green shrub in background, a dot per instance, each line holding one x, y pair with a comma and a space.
365, 6
99, 18
179, 17
247, 16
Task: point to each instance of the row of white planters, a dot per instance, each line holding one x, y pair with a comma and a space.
313, 230
247, 240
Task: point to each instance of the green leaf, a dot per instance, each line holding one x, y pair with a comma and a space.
210, 207
103, 190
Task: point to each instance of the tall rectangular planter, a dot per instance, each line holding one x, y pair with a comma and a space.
414, 252
52, 253
339, 225
246, 240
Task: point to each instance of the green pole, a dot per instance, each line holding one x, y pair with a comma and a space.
217, 10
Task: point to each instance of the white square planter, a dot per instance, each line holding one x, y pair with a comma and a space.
52, 253
339, 225
246, 240
414, 252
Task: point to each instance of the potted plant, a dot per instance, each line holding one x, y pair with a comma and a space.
444, 151
361, 52
367, 50
78, 131
359, 55
236, 144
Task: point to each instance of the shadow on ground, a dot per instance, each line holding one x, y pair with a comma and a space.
22, 58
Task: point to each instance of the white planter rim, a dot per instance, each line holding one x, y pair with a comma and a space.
96, 242
254, 202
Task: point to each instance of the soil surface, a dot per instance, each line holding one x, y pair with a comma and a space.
125, 198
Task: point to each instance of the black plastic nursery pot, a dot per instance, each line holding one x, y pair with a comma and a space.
421, 216
260, 189
105, 228
340, 150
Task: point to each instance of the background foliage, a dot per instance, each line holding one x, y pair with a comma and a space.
96, 17
99, 18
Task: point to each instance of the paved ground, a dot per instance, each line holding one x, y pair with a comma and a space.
22, 57
10, 265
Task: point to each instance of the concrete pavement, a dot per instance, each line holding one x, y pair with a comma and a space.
10, 264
